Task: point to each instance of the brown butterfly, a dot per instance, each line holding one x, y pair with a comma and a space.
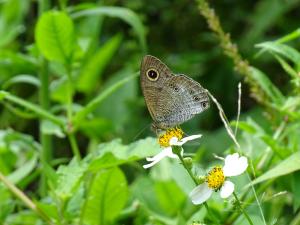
171, 98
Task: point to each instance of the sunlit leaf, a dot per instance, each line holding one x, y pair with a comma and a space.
11, 16
115, 153
68, 179
287, 166
107, 195
269, 88
54, 35
282, 49
51, 128
22, 78
23, 170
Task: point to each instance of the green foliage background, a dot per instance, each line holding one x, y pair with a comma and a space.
75, 129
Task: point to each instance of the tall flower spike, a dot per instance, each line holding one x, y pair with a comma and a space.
172, 137
216, 179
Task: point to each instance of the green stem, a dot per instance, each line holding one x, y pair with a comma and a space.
70, 132
27, 201
188, 169
74, 145
242, 209
46, 140
34, 108
70, 92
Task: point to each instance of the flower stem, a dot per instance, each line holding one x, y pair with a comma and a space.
188, 169
242, 210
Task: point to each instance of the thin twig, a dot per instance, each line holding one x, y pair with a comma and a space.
239, 108
27, 201
224, 120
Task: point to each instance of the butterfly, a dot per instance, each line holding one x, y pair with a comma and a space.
171, 98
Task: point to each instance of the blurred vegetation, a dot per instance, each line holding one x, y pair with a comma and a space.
75, 129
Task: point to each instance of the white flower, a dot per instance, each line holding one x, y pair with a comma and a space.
167, 151
216, 179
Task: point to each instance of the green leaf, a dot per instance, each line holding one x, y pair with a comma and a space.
287, 166
11, 18
3, 94
96, 64
296, 190
165, 192
54, 35
23, 217
288, 69
7, 204
12, 63
51, 128
22, 78
282, 49
114, 153
69, 178
269, 88
95, 127
23, 171
245, 126
106, 197
146, 198
143, 190
49, 209
289, 37
58, 89
125, 14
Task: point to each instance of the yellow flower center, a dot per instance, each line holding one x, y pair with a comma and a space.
215, 178
164, 139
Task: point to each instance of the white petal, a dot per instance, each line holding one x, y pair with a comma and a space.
227, 189
166, 152
160, 155
189, 138
200, 194
146, 166
173, 141
169, 153
235, 165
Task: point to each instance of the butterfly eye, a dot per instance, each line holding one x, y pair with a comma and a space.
152, 74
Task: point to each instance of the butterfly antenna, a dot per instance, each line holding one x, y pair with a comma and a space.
140, 132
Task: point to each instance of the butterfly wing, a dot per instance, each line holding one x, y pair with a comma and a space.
152, 88
186, 98
171, 99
